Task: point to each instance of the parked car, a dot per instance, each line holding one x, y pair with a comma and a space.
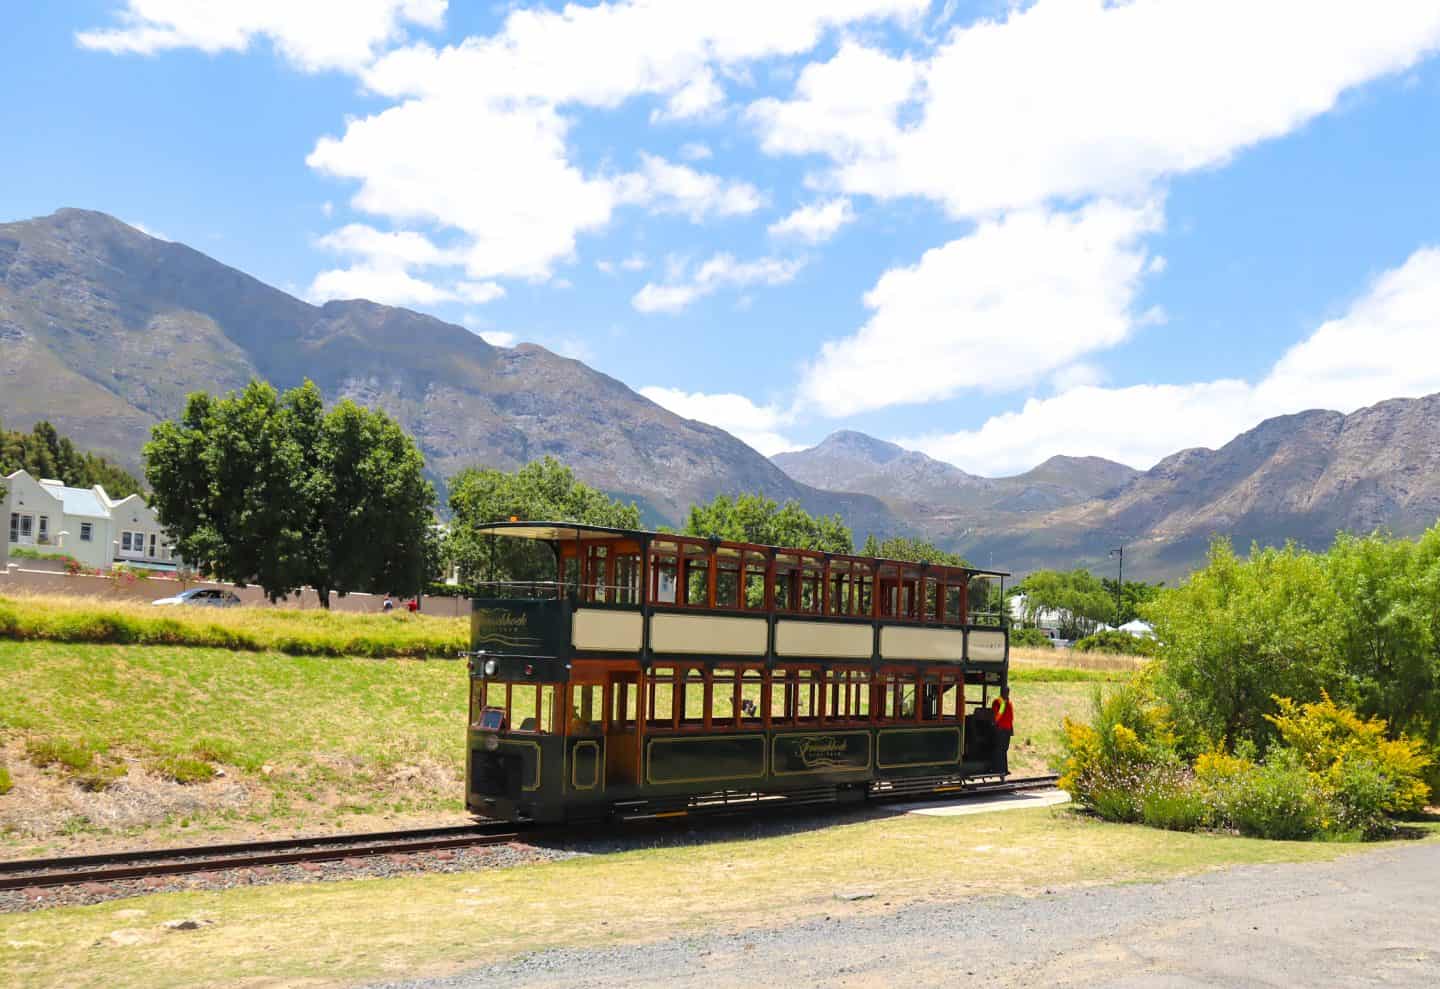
208, 597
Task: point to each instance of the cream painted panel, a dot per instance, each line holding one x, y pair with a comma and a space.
987, 647
794, 638
620, 631
922, 643
708, 634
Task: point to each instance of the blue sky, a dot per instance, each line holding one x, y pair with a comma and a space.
991, 231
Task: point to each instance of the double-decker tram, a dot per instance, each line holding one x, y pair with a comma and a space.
659, 674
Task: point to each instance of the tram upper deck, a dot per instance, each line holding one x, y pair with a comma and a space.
627, 594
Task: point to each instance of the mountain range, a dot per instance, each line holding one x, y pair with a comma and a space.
104, 330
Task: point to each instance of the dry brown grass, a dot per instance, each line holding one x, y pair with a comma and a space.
1069, 659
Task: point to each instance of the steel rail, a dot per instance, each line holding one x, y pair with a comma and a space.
217, 858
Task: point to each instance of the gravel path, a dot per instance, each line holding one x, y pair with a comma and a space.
1365, 920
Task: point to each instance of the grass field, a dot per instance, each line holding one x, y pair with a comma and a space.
59, 618
347, 932
302, 742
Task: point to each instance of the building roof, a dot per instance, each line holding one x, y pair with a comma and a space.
82, 501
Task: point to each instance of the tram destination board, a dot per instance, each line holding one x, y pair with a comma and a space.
519, 627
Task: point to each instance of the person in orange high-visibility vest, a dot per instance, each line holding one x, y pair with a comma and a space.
1004, 713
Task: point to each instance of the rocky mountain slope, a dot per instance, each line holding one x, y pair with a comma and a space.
103, 330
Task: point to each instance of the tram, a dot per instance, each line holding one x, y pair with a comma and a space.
660, 675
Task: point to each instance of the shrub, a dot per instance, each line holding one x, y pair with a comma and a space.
1275, 800
6, 783
1030, 638
1117, 642
1110, 763
183, 769
1116, 803
1175, 805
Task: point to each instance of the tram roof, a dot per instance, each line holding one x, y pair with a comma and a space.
571, 531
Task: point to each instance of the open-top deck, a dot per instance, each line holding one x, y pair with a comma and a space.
653, 596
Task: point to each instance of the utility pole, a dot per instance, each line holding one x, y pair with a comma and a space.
1119, 551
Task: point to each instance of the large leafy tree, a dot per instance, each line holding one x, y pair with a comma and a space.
43, 452
911, 550
543, 490
1077, 596
263, 488
756, 519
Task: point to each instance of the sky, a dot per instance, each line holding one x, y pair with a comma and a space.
991, 231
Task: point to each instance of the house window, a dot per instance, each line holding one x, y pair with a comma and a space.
125, 540
152, 545
44, 528
14, 527
87, 530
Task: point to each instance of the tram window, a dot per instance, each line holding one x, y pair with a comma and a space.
752, 695
950, 701
722, 697
624, 699
952, 602
692, 699
587, 716
660, 698
780, 713
806, 691
727, 588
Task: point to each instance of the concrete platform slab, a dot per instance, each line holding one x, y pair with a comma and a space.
985, 805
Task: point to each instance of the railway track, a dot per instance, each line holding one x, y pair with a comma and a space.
145, 863
142, 864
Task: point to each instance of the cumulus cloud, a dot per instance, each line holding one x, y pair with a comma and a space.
815, 222
756, 425
1386, 345
1077, 98
382, 270
1016, 299
314, 35
685, 286
695, 151
389, 286
499, 338
669, 188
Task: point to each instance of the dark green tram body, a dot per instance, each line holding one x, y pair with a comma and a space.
566, 722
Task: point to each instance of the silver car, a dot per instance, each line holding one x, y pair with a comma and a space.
208, 597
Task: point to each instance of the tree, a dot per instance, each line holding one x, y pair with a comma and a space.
911, 550
43, 452
1077, 595
543, 490
750, 518
1135, 595
262, 488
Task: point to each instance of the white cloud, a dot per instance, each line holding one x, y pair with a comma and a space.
1077, 375
695, 151
1016, 299
147, 231
389, 286
395, 247
497, 338
700, 97
815, 222
1077, 98
314, 34
685, 287
479, 293
756, 425
1386, 345
670, 188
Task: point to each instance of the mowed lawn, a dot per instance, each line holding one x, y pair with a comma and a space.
299, 742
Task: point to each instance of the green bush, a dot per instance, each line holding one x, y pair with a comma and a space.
1277, 800
1117, 642
6, 783
1121, 804
1030, 638
1175, 805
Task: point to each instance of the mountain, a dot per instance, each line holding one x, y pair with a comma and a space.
1302, 477
855, 462
104, 330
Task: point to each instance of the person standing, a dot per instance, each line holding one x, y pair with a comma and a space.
1004, 713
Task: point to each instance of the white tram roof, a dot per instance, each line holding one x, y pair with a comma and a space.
573, 531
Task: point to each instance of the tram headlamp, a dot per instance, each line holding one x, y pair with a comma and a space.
490, 667
492, 742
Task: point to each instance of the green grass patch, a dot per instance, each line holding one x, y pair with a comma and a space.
298, 633
87, 764
6, 783
1058, 674
183, 769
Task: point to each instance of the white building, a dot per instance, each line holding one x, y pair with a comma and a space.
47, 517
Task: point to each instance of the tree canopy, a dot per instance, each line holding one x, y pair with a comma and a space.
258, 487
1077, 596
43, 452
756, 519
541, 490
911, 550
1360, 622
